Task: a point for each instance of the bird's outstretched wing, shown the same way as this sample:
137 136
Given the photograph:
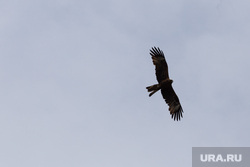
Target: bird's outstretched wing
173 102
161 67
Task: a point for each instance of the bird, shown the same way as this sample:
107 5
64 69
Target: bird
164 84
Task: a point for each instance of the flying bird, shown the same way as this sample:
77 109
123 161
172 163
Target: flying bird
164 84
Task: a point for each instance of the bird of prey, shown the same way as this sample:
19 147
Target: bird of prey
164 84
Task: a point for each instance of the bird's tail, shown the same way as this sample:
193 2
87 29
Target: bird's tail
153 89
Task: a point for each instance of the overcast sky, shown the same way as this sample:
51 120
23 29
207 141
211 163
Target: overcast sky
73 77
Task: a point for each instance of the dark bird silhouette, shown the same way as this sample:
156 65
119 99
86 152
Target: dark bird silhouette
164 84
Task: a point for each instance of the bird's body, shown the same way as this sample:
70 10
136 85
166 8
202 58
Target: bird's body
165 84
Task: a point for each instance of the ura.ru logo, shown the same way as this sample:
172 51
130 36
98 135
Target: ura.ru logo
220 158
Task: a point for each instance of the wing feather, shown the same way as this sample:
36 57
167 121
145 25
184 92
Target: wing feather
161 67
173 102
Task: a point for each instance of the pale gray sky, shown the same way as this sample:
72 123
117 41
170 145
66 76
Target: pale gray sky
73 77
